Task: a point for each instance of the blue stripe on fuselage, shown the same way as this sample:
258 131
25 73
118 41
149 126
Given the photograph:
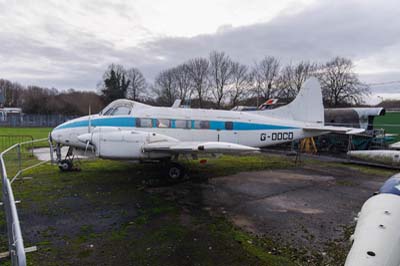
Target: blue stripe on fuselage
131 122
102 122
253 126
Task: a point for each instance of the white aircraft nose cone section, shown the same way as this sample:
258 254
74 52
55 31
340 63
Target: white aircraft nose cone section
377 235
54 136
84 138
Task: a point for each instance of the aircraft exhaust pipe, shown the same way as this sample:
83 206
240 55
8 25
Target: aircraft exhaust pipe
377 235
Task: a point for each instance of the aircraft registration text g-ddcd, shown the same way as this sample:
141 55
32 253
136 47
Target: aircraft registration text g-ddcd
277 136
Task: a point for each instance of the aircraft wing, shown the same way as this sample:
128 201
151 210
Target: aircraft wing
342 130
197 147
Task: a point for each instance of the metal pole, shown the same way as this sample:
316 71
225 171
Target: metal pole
19 157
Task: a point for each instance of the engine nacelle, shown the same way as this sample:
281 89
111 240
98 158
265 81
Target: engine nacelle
124 144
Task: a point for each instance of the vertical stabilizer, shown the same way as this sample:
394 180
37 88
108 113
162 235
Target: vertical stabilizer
306 107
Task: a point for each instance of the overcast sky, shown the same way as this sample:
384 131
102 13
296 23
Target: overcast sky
68 44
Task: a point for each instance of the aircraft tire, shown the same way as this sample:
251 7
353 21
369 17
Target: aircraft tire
65 165
175 172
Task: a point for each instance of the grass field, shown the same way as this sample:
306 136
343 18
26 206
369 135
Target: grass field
35 132
18 135
390 122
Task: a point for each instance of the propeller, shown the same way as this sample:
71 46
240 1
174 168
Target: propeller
88 141
87 146
90 119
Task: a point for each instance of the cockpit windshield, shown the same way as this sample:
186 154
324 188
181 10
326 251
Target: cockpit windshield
119 107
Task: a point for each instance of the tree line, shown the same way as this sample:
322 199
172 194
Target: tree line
216 81
220 82
39 100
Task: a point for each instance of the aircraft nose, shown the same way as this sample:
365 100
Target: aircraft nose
53 136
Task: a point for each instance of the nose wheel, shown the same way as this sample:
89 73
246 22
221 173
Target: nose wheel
65 165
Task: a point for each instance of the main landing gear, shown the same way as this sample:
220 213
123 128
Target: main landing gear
175 172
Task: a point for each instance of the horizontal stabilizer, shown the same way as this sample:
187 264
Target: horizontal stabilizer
342 130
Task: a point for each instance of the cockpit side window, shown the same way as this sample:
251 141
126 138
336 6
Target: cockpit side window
121 110
118 107
109 111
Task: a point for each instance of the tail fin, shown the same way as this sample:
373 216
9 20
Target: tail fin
306 107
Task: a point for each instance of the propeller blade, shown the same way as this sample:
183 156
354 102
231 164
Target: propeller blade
90 119
87 146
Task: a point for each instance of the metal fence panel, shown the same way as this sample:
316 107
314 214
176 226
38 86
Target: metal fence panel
34 120
15 240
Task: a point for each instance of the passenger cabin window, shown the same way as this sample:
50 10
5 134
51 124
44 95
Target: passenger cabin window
202 124
163 123
228 125
143 122
182 124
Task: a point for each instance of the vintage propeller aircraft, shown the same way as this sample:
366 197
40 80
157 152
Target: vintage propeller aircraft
129 130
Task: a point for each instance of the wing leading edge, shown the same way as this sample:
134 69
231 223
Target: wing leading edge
197 147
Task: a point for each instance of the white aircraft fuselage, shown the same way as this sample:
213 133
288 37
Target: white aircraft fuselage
245 128
131 130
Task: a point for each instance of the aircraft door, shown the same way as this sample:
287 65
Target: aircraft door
228 134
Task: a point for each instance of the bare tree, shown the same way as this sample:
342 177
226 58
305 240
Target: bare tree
12 93
198 71
340 84
182 79
265 75
285 84
292 77
137 85
240 82
220 75
165 87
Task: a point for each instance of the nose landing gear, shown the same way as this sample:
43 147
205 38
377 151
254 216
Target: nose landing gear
67 164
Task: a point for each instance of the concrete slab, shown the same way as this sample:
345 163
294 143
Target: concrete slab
307 207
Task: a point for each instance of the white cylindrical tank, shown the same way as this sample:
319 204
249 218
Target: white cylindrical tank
390 157
377 234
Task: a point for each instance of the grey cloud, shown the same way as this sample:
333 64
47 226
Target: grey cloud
326 30
355 29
